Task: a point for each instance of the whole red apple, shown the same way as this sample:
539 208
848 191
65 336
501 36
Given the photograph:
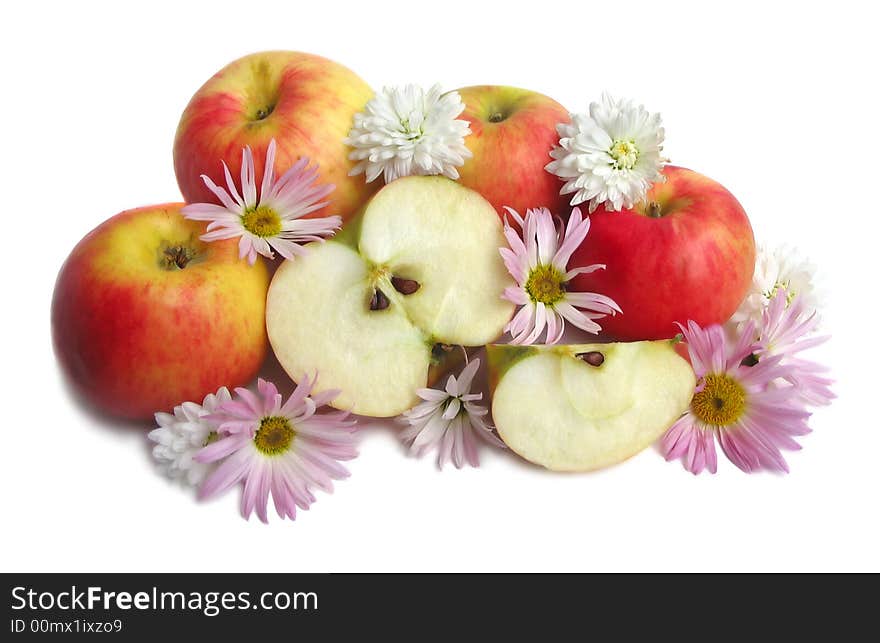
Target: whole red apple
145 316
305 102
512 133
686 252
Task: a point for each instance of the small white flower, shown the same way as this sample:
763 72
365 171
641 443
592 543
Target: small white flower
407 131
449 420
611 155
775 269
183 434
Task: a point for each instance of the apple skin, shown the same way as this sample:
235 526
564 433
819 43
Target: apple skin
509 156
695 261
308 105
134 337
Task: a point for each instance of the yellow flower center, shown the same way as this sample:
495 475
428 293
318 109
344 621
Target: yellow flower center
261 221
546 284
625 155
789 294
721 402
213 436
274 436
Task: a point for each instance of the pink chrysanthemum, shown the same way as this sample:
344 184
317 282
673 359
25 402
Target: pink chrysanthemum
282 449
735 405
539 263
788 328
274 220
450 421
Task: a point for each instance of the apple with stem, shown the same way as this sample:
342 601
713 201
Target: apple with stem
146 316
687 252
512 133
305 102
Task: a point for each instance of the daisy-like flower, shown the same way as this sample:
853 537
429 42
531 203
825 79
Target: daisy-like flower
183 433
788 328
282 449
775 269
540 267
611 155
450 421
272 219
735 405
406 131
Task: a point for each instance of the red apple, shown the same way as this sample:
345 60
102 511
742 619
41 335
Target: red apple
145 316
687 252
305 102
512 133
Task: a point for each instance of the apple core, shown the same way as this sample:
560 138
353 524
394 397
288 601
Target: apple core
721 402
274 436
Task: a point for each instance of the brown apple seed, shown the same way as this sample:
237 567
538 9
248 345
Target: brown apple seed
593 358
379 300
405 286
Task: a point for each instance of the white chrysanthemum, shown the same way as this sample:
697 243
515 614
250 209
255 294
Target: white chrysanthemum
407 131
775 269
611 155
183 434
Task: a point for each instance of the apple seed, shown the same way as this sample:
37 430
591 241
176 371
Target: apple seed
593 358
405 286
379 301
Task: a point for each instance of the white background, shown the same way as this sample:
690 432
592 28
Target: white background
778 103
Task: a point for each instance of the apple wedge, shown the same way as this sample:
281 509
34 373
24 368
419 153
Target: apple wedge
587 406
374 310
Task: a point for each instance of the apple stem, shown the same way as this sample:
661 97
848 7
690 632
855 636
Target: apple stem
655 210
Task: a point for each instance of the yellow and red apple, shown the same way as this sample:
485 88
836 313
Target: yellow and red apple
146 316
512 133
305 102
687 252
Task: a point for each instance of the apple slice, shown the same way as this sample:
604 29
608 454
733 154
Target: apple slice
586 406
371 309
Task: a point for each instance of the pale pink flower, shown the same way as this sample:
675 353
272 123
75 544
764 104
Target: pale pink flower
272 220
735 405
538 262
280 449
450 421
787 328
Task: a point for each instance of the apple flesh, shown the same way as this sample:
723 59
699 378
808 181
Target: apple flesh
371 310
145 316
586 406
686 253
512 134
305 102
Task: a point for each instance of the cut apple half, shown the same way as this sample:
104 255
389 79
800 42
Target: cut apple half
374 310
587 406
